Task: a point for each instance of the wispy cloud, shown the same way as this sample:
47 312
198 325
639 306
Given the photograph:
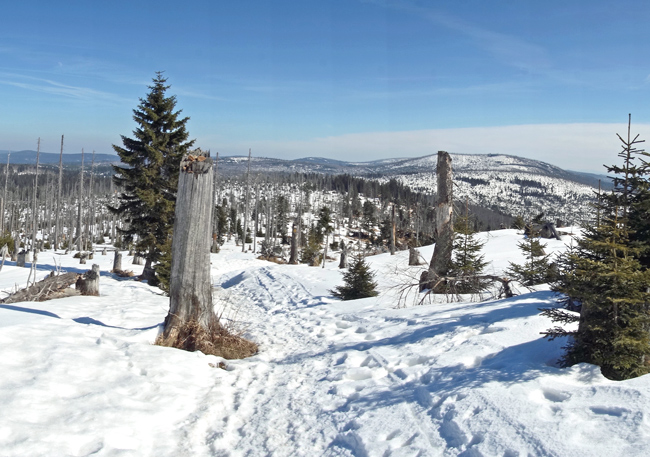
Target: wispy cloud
49 86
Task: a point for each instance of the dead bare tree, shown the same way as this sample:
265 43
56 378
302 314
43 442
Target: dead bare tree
190 289
34 208
80 205
246 203
444 230
59 208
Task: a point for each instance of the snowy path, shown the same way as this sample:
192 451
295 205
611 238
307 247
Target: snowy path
79 377
313 384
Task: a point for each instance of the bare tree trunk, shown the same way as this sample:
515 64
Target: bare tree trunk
327 238
20 259
79 211
57 228
215 216
248 173
117 261
88 284
34 208
444 231
257 215
295 245
392 231
190 288
90 224
4 199
414 256
344 255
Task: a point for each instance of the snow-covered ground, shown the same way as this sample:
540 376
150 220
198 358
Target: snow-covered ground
79 376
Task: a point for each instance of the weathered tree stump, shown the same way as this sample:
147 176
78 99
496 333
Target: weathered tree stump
295 245
444 230
117 261
137 260
48 288
104 251
88 283
20 259
190 288
343 263
28 255
414 256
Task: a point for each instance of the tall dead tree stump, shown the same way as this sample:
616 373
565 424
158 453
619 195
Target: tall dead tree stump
88 283
295 244
444 229
117 261
20 259
190 288
343 263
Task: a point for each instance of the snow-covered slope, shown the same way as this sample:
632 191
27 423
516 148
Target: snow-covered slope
505 183
358 378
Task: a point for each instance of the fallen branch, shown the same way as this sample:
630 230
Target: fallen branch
43 290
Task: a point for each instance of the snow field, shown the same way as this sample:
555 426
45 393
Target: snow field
79 376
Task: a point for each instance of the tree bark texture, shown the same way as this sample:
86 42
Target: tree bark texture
117 261
20 259
343 263
444 229
88 284
295 245
190 283
392 231
414 256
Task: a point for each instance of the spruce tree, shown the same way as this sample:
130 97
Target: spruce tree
358 281
536 269
467 262
148 178
609 282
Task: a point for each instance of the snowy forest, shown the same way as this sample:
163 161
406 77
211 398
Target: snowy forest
319 314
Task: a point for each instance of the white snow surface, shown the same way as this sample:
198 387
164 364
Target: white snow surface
80 376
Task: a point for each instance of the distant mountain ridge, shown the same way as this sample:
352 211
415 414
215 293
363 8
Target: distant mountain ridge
27 157
503 183
230 165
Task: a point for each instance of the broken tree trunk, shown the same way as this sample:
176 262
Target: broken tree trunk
414 256
392 231
48 288
444 230
190 288
295 245
88 283
20 259
344 255
117 261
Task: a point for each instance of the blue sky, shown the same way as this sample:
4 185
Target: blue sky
353 79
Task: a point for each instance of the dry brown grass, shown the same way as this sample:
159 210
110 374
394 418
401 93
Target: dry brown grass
123 273
273 259
213 341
